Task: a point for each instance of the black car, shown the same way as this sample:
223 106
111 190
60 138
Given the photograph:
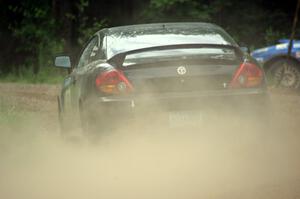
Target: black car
164 73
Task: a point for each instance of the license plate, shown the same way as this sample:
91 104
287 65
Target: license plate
182 118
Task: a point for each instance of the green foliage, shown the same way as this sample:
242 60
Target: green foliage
176 10
36 33
272 36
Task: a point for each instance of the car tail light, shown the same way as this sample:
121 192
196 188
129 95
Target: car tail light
113 82
248 75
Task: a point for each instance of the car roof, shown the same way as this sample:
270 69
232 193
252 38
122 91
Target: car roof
192 26
163 25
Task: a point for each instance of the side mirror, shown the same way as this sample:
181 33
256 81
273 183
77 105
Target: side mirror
62 62
245 49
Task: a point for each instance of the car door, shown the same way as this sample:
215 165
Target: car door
73 83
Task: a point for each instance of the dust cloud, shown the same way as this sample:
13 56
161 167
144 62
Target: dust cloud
220 160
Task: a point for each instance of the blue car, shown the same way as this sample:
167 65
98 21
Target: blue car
281 70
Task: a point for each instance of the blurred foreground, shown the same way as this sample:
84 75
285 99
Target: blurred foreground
218 161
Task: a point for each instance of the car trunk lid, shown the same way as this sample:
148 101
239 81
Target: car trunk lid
179 68
181 75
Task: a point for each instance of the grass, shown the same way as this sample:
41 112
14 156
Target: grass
46 75
10 113
18 127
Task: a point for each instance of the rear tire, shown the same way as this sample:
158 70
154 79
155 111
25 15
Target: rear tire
90 127
60 117
284 73
95 125
66 127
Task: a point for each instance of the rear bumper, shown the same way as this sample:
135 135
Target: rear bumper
250 101
238 93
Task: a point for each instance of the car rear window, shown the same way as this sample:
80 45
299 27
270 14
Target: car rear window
131 38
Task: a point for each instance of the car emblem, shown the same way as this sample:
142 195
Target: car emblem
181 70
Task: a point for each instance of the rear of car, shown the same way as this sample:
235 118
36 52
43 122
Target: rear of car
173 73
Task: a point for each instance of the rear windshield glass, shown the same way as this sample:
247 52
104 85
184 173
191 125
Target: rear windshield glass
130 38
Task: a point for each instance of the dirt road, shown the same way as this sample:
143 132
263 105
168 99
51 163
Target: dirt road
36 163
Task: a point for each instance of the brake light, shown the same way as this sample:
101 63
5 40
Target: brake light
248 75
113 82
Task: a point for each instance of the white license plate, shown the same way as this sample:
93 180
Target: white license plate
182 118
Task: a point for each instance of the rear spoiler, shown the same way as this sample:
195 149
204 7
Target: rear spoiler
118 59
